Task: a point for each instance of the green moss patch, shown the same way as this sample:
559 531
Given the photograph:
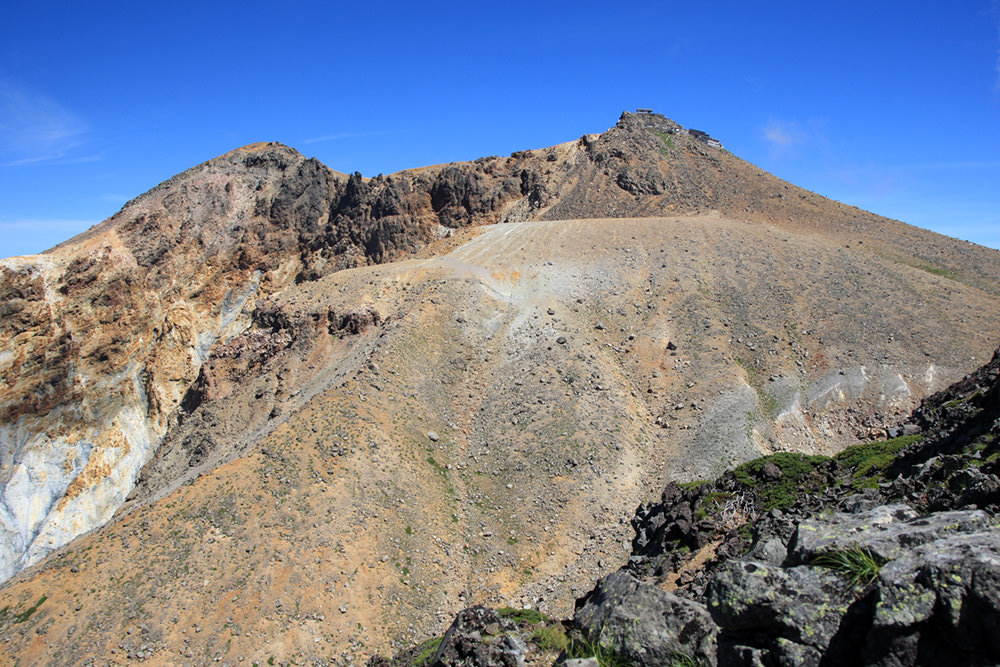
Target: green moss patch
10 616
523 616
796 470
870 460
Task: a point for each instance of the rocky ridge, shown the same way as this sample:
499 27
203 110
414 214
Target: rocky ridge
251 384
887 554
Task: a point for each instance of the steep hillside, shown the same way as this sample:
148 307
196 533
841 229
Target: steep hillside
887 554
344 408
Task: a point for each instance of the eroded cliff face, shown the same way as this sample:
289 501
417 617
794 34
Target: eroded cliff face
98 357
105 335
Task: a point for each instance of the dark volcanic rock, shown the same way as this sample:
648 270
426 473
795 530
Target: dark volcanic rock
886 531
479 637
939 603
644 624
931 593
800 605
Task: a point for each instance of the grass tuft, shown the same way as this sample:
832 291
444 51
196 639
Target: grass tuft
683 660
857 564
605 657
551 638
593 648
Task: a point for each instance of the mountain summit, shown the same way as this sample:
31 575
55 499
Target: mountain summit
320 408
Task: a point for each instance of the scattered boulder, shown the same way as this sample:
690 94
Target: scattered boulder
644 624
480 637
771 471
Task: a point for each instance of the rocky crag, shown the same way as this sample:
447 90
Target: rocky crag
886 554
319 414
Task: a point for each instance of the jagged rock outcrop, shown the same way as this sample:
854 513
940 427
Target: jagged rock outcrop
935 597
480 637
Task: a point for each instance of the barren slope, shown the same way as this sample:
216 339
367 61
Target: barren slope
258 351
389 444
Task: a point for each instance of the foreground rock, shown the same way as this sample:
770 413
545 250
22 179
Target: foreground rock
643 624
936 601
480 636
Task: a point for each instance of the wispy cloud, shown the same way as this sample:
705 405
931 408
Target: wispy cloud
784 134
36 129
794 138
54 158
338 136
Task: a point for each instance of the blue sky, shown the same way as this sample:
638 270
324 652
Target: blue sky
890 106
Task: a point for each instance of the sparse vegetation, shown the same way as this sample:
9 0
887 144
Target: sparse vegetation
426 651
593 648
668 142
437 466
712 504
944 273
768 403
8 617
551 638
683 660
